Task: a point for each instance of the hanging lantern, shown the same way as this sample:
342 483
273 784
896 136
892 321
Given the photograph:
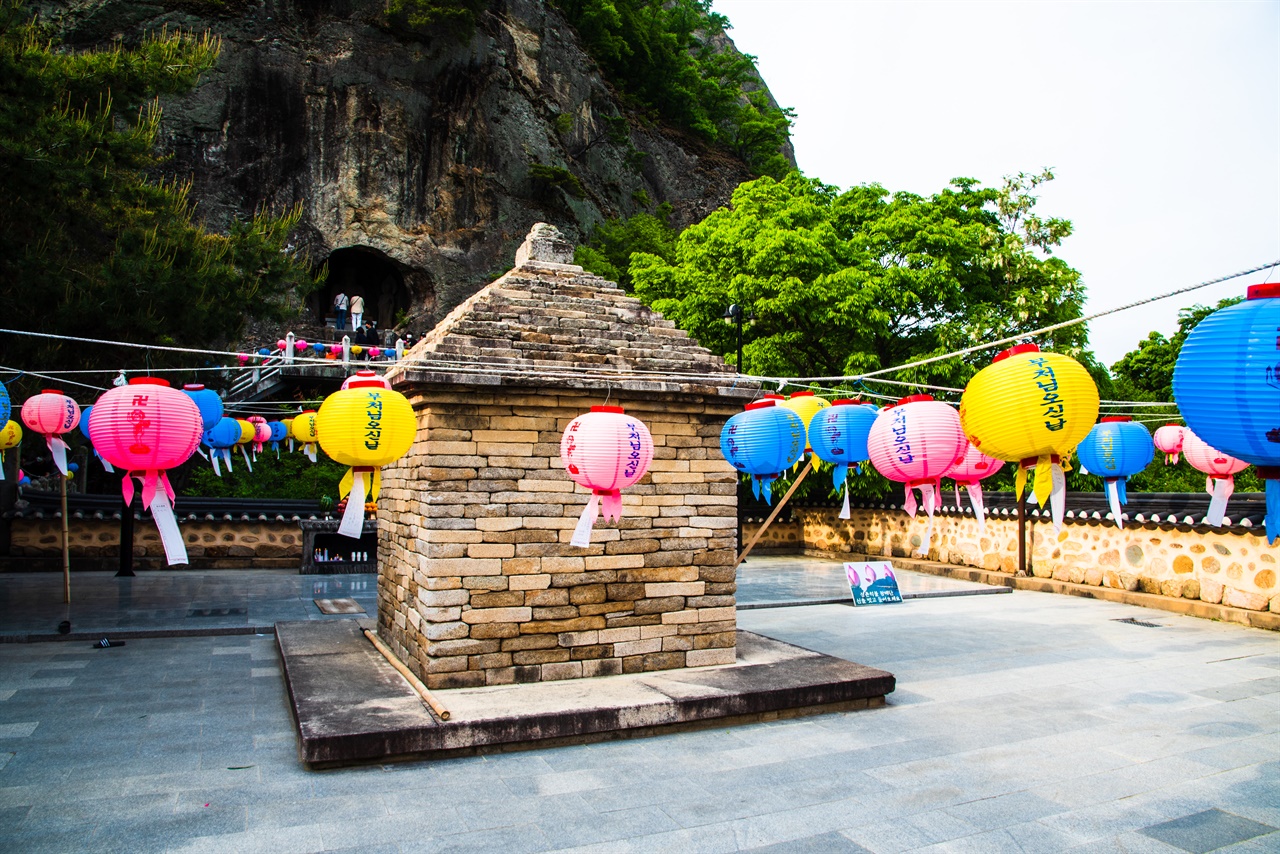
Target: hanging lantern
1116 448
319 348
969 473
247 434
10 437
51 414
288 431
278 433
223 436
1168 440
1233 355
207 401
366 376
1031 408
261 433
763 441
1221 470
300 345
838 434
365 425
915 442
146 428
606 451
6 405
303 429
805 404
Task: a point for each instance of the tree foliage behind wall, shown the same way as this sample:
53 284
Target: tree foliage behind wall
89 244
665 56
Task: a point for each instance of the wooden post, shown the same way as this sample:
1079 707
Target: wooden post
1022 534
776 510
66 547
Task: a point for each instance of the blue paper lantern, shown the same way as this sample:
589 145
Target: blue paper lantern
207 401
318 347
221 438
763 441
839 435
1116 448
84 422
264 351
6 406
278 434
1227 385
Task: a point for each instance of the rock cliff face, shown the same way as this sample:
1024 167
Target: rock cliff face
419 163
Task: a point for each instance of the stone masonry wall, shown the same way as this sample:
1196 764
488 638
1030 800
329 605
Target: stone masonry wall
1227 567
478 582
210 545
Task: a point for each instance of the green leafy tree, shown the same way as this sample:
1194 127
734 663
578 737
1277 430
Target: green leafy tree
90 244
608 252
1147 372
842 283
669 57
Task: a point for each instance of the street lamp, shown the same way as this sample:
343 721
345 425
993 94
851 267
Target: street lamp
734 315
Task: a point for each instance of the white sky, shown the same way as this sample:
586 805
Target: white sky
1161 121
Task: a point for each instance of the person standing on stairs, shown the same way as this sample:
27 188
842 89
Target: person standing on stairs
340 311
357 311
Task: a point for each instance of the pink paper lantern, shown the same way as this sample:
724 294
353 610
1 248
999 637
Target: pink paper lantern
243 357
375 352
606 451
916 442
1220 468
281 345
300 345
1168 441
968 472
51 414
145 428
261 432
335 349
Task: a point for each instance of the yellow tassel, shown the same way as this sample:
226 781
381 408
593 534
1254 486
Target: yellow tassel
1044 479
1020 482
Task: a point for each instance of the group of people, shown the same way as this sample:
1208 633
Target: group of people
341 305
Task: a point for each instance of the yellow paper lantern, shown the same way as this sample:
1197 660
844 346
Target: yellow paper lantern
1031 408
302 427
805 404
10 436
365 425
247 431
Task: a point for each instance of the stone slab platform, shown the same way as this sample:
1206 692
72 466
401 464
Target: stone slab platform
351 706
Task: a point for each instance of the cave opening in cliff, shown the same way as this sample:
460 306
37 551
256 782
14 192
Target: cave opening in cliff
373 275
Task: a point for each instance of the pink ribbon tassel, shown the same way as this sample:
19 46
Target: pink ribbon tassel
158 497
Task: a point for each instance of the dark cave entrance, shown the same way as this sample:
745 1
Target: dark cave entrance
373 275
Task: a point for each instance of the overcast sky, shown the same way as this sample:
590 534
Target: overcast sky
1161 121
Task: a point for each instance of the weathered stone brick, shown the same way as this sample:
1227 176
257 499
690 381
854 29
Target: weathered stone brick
503 599
659 606
540 656
578 638
488 661
616 635
497 615
624 592
715 640
495 630
577 624
703 657
602 667
461 647
488 550
566 670
638 647
674 588
587 594
677 643
528 582
530 642
547 598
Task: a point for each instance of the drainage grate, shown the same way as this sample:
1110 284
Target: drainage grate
217 612
1134 621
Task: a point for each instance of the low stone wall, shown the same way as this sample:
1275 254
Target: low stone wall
210 545
1228 567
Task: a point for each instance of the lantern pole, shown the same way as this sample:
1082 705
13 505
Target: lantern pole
1022 534
776 510
66 547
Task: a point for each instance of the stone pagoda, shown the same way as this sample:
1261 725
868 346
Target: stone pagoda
479 584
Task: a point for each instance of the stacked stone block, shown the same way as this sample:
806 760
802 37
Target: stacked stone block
479 584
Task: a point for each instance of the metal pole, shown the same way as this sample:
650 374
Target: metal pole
1022 535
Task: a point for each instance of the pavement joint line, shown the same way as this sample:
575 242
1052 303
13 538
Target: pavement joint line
139 634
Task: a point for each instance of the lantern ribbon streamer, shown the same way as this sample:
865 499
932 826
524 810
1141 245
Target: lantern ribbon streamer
59 450
1273 510
310 449
1113 500
929 495
1057 496
762 487
213 458
582 533
1220 488
157 496
106 465
353 517
202 454
247 461
979 509
844 511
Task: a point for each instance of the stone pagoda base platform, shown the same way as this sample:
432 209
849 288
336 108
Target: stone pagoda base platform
351 706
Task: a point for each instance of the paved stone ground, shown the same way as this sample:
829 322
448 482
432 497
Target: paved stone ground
1023 722
770 580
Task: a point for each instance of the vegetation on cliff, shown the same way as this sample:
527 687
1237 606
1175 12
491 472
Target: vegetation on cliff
89 244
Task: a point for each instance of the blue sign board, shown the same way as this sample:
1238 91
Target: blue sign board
872 582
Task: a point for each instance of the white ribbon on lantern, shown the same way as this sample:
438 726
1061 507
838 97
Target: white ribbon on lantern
844 511
311 451
157 496
587 521
979 510
1058 497
59 450
1220 488
247 461
353 517
1113 500
930 498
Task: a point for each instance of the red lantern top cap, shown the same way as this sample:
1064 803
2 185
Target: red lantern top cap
802 394
369 383
618 409
1264 291
847 402
773 396
50 391
148 381
1110 419
1015 350
193 386
306 412
914 398
365 372
760 404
